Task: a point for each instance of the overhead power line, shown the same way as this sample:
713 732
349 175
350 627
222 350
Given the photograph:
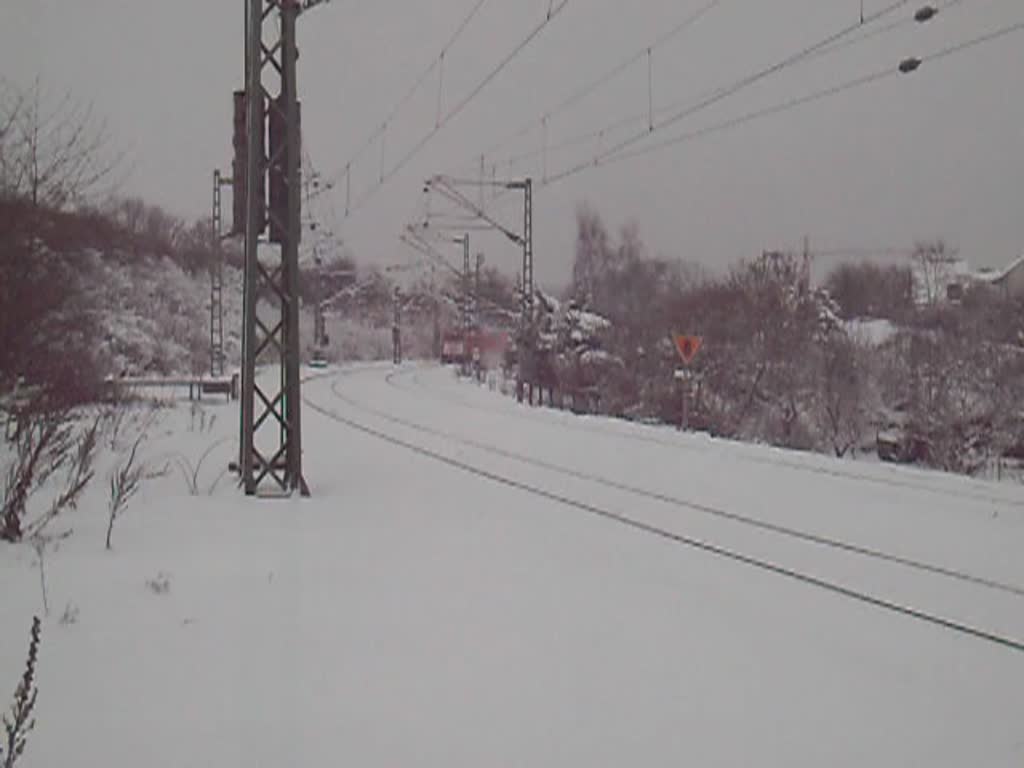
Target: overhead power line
736 87
435 64
610 129
884 29
888 251
610 75
448 188
749 116
423 246
888 72
553 12
974 42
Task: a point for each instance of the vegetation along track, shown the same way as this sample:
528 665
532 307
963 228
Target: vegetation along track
677 538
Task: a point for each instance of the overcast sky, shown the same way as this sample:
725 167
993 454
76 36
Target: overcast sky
936 154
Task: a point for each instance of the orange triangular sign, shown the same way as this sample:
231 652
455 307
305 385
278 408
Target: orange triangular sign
688 347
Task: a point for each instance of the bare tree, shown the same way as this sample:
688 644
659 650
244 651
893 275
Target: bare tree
52 151
11 104
592 253
870 290
842 411
933 262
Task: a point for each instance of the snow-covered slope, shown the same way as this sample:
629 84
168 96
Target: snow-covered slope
479 583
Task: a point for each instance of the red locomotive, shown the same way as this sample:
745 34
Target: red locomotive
486 347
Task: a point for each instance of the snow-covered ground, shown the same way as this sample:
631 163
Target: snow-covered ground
478 583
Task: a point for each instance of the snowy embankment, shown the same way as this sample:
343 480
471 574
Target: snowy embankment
417 613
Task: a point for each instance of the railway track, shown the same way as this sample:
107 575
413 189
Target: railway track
676 501
762 564
570 422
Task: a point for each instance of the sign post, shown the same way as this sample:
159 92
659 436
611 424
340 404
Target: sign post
687 347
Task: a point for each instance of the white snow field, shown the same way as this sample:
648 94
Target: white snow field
479 583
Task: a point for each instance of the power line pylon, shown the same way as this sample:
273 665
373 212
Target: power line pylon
527 187
449 188
271 436
217 356
467 303
480 258
435 311
396 326
527 356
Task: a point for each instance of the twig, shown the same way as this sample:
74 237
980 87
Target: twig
125 482
20 721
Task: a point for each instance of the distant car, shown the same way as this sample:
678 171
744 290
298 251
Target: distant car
897 439
901 445
319 359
